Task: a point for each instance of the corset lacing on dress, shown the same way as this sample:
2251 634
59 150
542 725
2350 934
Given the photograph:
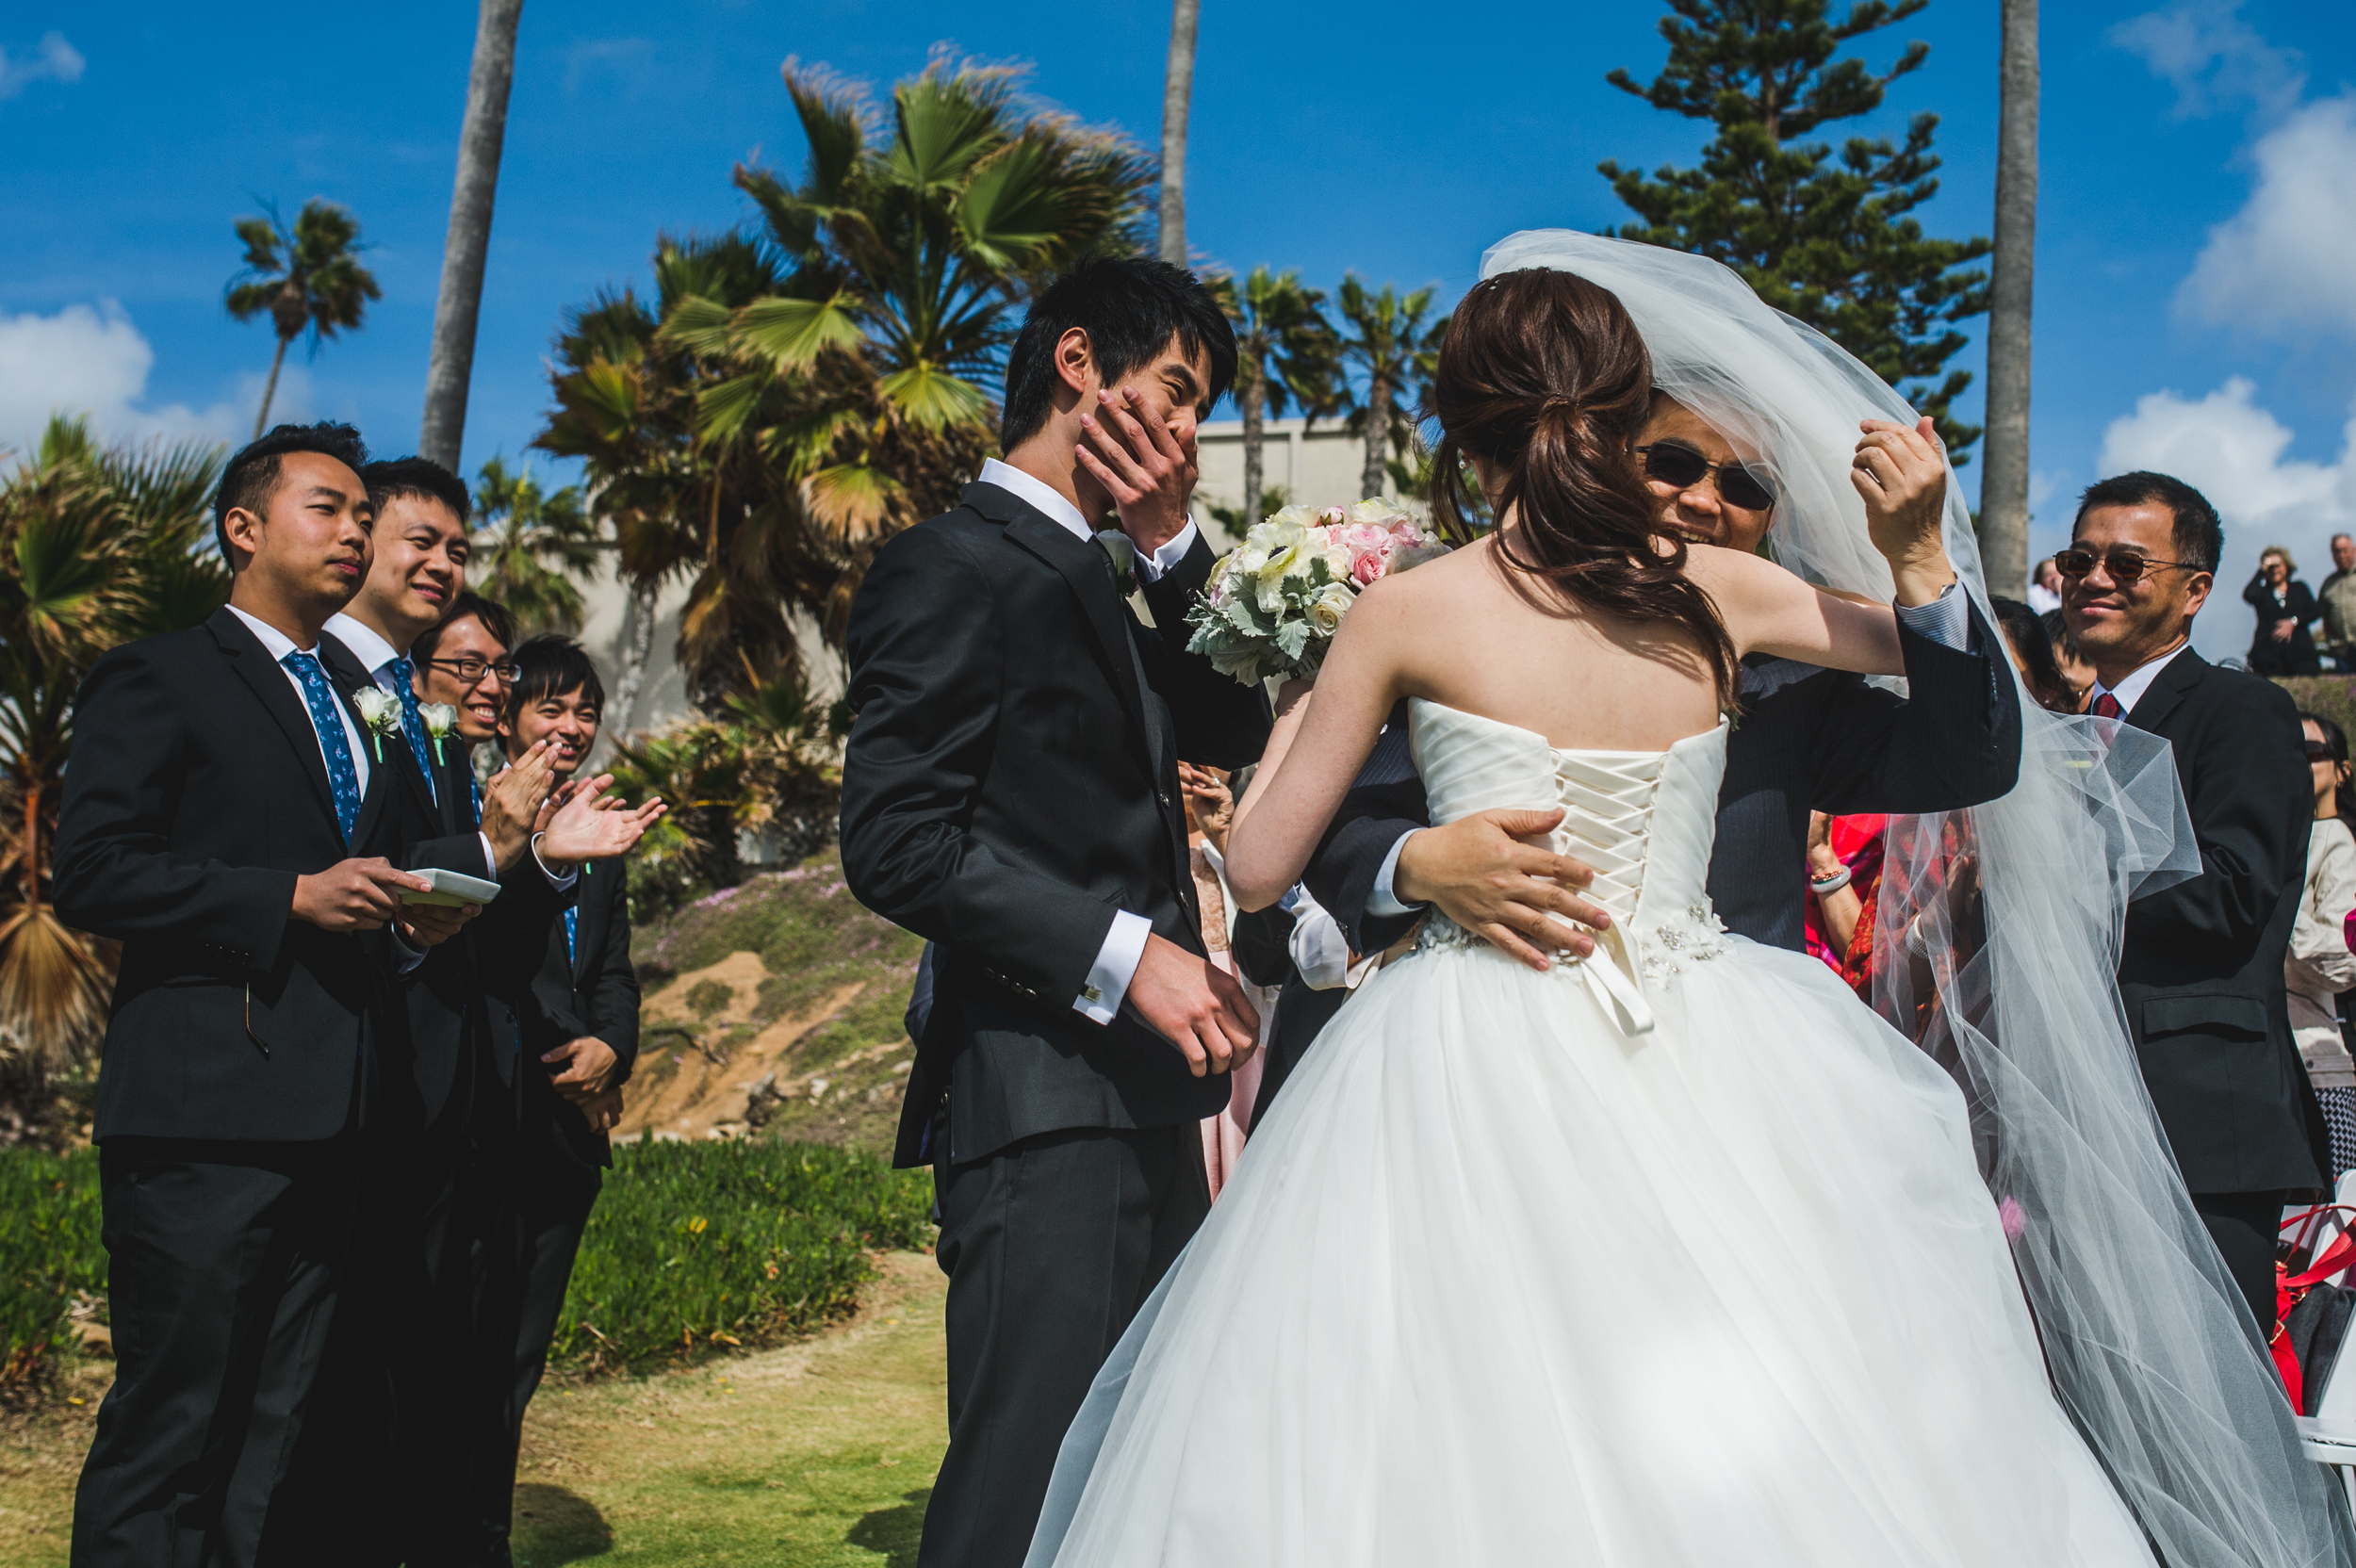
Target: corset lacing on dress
1608 800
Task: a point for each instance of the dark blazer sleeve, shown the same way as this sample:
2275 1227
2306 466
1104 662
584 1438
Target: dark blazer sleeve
112 870
1220 722
1341 874
1954 741
2261 598
2243 781
613 991
924 649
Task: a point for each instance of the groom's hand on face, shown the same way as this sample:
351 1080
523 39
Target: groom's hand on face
1131 452
1195 1005
354 895
1483 872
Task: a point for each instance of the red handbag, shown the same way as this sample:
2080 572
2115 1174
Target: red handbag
2290 1289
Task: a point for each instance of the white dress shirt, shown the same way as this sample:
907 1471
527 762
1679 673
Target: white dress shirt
2130 691
278 645
1946 620
1124 944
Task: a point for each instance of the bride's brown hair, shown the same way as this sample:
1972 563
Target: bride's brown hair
1544 379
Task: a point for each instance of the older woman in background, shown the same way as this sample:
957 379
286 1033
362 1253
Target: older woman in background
2319 966
2281 645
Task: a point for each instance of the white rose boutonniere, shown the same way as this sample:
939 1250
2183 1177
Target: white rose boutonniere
381 711
440 719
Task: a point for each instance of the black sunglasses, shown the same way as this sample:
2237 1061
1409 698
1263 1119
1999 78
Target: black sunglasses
1674 463
2124 564
2318 751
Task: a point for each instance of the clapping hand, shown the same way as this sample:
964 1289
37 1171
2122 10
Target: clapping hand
514 801
587 826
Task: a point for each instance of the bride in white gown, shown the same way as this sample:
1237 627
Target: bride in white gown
1676 1255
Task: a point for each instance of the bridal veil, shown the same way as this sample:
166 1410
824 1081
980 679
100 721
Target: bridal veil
2151 1348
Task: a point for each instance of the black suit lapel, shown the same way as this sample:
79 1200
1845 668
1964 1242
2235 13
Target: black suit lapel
269 684
350 675
2168 688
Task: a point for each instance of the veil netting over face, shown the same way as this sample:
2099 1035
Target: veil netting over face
1996 948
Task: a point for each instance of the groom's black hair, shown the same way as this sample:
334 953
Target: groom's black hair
251 477
1130 307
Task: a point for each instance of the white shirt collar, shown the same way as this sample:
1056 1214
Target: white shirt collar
2130 691
372 651
1041 495
276 641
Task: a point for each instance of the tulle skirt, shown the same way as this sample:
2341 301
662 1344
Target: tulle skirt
1495 1283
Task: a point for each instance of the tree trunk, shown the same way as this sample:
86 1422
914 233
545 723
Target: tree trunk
269 387
451 366
1177 87
1378 434
2004 479
637 648
1251 402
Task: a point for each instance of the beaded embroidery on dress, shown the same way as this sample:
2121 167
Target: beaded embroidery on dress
1676 1257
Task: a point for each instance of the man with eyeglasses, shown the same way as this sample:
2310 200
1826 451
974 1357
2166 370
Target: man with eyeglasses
2201 969
462 663
1809 739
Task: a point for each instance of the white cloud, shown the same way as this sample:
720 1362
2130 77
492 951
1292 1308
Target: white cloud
56 60
2231 449
2211 56
96 362
2282 265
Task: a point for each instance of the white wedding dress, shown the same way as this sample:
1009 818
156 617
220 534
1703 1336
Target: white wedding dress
1678 1257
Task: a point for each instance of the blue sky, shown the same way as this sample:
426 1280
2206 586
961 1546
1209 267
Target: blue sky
2195 308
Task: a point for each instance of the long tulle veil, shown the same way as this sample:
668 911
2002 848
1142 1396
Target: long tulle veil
2151 1350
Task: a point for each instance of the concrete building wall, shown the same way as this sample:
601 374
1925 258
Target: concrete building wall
1320 466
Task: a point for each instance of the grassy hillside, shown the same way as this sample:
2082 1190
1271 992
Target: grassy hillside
774 1007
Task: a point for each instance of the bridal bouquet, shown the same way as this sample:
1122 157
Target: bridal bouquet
1272 604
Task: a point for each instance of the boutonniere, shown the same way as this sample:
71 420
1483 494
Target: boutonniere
1124 556
381 711
440 719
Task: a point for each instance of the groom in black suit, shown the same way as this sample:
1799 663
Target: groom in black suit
225 818
1010 792
2201 968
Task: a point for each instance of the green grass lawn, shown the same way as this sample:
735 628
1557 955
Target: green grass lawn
818 1454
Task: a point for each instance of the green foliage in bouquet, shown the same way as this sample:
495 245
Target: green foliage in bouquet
694 1246
50 1254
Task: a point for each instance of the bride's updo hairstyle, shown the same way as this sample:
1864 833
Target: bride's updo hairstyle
1544 379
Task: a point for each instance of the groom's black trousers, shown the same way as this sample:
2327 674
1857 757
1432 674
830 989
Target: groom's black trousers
1051 1245
222 1265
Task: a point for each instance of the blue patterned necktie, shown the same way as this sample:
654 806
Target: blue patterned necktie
319 696
412 722
572 926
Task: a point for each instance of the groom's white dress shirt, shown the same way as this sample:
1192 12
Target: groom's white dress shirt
1946 620
2130 691
278 645
1125 945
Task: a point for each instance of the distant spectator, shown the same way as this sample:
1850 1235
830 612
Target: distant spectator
2045 588
2337 601
2076 673
2284 607
2319 965
2032 654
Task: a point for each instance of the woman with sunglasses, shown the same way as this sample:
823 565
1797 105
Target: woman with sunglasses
2319 966
2285 609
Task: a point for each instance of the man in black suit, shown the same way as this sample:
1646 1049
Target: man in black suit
1809 739
564 1011
1011 793
2201 969
225 819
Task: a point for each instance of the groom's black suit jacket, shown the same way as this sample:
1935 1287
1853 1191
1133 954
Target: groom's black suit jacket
1828 742
194 797
2201 968
1010 784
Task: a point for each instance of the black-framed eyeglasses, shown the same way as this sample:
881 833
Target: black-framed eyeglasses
471 670
2124 564
1674 463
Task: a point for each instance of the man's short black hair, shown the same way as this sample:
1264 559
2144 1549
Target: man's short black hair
1130 307
553 665
493 616
2199 537
421 478
251 477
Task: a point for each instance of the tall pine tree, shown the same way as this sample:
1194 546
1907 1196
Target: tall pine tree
1823 237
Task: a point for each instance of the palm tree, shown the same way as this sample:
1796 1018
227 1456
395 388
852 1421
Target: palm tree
529 547
310 276
2004 483
1389 344
1285 352
1177 88
103 545
480 136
